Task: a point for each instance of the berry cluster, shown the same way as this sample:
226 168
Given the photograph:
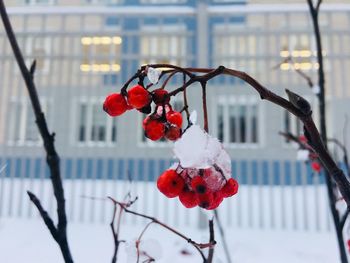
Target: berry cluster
163 122
205 188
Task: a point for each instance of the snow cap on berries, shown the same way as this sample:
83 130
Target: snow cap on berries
197 149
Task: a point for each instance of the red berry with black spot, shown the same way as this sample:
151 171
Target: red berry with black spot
230 188
206 200
188 198
160 97
173 133
199 185
175 118
139 97
316 166
154 129
115 104
170 183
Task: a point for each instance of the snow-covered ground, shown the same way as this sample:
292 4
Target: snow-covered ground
29 241
264 224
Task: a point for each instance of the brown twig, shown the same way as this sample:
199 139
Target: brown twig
212 241
137 243
197 246
59 232
223 238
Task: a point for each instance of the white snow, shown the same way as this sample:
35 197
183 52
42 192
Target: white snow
29 241
263 224
153 75
197 149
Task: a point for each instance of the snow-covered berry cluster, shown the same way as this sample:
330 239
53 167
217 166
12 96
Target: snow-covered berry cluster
205 188
163 122
202 175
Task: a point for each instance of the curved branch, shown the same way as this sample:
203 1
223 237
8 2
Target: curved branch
296 105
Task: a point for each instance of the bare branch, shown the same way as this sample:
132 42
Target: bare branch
212 241
223 239
45 216
197 246
52 157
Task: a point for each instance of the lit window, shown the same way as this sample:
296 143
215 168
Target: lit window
22 128
101 53
168 47
237 121
94 125
302 52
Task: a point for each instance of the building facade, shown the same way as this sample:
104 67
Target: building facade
86 49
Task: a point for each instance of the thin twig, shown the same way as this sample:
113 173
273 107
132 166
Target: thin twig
137 243
197 246
223 238
212 241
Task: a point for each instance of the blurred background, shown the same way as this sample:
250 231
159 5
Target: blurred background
87 49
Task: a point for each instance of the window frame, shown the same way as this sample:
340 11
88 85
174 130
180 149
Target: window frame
179 31
21 126
240 100
76 122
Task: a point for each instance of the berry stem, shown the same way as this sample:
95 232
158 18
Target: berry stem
205 109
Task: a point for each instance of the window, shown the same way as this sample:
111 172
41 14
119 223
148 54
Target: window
302 49
235 50
39 48
177 105
237 121
94 125
22 129
167 46
101 53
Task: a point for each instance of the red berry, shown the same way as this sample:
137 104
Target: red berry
188 198
173 133
115 104
138 97
348 242
230 188
206 200
170 183
316 167
198 185
175 118
217 199
160 97
302 138
154 129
